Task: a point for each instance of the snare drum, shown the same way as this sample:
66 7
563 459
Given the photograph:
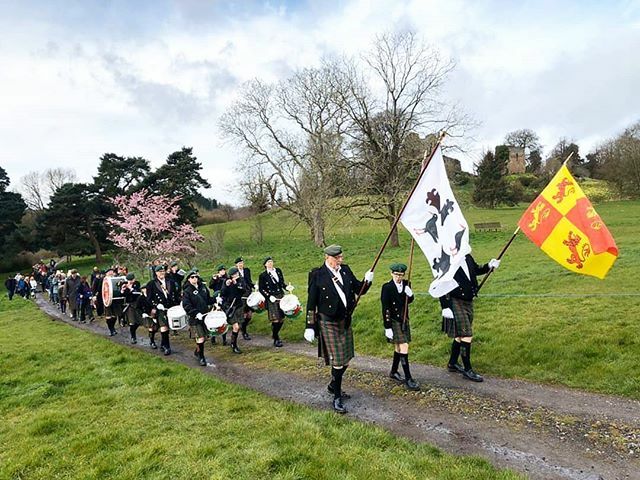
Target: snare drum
216 323
256 302
290 306
177 318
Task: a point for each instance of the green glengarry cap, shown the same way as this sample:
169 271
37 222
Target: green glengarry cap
193 271
173 264
158 268
398 267
220 267
232 271
130 276
333 250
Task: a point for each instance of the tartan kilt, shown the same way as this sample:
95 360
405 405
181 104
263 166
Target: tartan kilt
198 329
161 316
115 309
461 324
400 335
237 316
274 312
336 341
133 316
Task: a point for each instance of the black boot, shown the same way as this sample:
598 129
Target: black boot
465 349
152 340
132 331
165 343
243 327
393 374
453 365
234 343
275 329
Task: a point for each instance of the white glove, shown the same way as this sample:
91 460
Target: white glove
494 263
408 291
309 334
219 300
272 299
388 333
368 277
199 316
145 315
160 306
447 313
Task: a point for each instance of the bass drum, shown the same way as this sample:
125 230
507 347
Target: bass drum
256 302
177 318
216 323
111 289
290 306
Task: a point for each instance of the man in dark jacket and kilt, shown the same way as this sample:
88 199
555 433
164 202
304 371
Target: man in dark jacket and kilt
132 292
245 279
457 314
162 294
232 292
331 299
215 285
114 310
197 302
272 287
395 296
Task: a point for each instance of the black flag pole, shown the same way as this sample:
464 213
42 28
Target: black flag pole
504 249
425 164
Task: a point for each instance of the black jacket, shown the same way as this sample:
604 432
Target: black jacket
247 282
156 295
232 294
393 303
131 293
467 288
196 299
323 297
268 286
216 282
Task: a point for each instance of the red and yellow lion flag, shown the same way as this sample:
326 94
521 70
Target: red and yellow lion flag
564 224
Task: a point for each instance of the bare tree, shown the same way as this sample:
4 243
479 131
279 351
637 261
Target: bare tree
619 160
385 127
291 133
54 178
38 187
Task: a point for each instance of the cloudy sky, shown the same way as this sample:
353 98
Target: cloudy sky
143 78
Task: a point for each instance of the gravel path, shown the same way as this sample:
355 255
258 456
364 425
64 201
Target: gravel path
545 432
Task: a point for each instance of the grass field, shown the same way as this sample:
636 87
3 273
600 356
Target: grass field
73 405
534 319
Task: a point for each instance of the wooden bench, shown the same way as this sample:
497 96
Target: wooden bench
488 227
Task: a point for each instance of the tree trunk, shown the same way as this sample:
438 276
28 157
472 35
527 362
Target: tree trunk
96 245
317 229
391 218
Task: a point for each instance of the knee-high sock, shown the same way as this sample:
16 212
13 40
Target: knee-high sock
244 324
396 362
152 336
234 339
336 380
132 330
465 348
201 350
165 339
275 328
404 360
455 352
111 323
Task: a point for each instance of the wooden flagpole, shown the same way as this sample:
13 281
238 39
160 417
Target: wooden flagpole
425 164
504 249
406 299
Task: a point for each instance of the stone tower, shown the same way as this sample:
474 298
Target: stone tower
516 160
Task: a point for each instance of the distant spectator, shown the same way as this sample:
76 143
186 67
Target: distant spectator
11 285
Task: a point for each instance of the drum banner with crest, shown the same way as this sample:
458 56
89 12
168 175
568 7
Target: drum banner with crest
434 219
564 224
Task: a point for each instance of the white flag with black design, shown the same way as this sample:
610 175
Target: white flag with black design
434 219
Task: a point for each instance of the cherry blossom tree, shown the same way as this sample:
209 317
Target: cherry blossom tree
146 227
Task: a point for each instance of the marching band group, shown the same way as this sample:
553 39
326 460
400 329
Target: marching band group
174 299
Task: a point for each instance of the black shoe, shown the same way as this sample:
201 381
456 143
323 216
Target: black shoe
245 336
455 368
167 351
162 348
203 362
344 396
153 345
235 349
396 376
112 333
411 384
338 407
196 352
224 342
473 376
134 341
277 343
213 340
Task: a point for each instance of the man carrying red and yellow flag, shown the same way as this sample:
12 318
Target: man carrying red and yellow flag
564 224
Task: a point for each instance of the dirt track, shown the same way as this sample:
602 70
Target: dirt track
543 431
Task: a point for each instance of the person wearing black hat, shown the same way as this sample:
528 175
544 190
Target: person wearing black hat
215 285
272 287
232 292
395 296
162 294
457 314
331 299
131 291
176 275
197 301
247 313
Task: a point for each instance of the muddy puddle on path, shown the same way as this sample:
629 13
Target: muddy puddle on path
543 432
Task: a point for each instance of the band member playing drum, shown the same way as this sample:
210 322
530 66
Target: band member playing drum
112 312
396 295
245 278
132 292
232 293
196 301
215 285
271 285
331 299
162 294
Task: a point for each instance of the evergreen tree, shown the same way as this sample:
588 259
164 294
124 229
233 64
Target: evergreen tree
490 186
